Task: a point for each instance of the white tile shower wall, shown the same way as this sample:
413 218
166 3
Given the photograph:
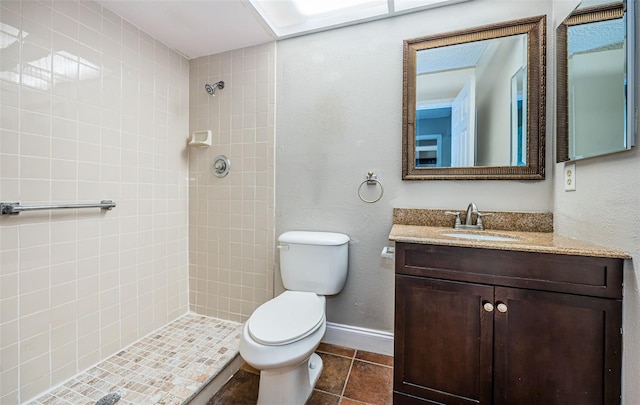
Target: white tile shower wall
231 219
91 108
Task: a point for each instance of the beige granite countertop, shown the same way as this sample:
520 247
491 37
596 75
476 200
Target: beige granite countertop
540 242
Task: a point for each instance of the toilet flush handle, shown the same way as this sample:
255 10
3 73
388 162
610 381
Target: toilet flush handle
283 247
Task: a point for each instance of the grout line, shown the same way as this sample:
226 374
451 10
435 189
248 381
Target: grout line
374 363
356 401
336 354
327 392
333 354
346 381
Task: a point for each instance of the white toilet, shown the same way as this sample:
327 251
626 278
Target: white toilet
280 337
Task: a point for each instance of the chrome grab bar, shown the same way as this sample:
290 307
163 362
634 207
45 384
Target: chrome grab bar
14 208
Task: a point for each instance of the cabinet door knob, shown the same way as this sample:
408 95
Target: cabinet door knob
488 307
502 307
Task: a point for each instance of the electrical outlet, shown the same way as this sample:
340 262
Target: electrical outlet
570 177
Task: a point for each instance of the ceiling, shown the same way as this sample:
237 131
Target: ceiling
195 27
205 27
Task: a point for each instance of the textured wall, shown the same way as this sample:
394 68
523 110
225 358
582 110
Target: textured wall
231 218
604 210
340 115
90 108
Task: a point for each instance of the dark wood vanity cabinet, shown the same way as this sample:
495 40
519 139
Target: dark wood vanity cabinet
482 326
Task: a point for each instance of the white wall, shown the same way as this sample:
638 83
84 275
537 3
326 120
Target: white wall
339 115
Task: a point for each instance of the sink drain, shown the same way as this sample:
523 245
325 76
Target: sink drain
109 399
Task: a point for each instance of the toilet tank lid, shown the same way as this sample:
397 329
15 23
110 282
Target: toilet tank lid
314 238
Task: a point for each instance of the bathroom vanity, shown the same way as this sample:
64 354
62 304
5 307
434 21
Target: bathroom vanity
495 322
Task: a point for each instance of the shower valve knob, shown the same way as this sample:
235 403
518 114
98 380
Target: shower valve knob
220 166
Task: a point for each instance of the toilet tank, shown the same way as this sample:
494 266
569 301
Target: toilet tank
314 261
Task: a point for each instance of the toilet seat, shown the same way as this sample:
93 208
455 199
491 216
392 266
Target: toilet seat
287 318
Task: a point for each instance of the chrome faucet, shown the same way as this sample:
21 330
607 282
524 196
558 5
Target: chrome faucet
471 209
468 223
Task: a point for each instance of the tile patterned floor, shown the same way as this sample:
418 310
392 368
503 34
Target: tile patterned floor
349 377
170 366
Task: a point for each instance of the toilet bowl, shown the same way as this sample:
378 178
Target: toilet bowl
280 337
279 340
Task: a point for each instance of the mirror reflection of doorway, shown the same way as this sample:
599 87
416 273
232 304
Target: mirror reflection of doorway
463 126
450 123
433 137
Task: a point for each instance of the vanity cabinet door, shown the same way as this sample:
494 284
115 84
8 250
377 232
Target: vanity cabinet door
554 348
443 342
466 343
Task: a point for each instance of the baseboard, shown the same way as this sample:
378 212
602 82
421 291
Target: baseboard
370 340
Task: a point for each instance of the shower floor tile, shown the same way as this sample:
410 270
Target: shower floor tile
169 366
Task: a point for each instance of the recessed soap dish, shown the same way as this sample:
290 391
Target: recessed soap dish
201 139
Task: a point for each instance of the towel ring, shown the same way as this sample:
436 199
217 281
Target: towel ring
371 180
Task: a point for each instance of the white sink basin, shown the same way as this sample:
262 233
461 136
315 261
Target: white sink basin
480 236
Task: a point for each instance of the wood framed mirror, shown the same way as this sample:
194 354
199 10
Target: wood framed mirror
474 103
596 81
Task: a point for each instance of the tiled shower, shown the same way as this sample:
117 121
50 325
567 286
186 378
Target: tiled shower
231 219
92 108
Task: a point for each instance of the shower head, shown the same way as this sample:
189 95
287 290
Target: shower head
211 88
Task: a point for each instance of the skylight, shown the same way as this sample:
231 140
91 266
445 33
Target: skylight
288 18
401 5
315 7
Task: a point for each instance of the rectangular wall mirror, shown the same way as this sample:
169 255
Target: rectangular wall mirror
474 103
596 112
